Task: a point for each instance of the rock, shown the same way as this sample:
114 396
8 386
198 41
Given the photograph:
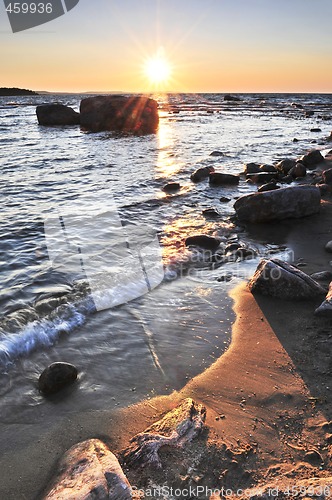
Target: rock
283 203
327 176
219 179
268 168
134 114
298 171
328 246
324 188
232 247
57 376
57 115
282 280
171 187
245 253
309 113
262 177
285 165
177 428
217 153
201 173
224 199
312 158
89 470
315 129
203 241
233 98
296 140
270 186
322 276
251 168
314 458
211 213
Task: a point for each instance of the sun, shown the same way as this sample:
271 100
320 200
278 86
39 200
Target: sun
157 70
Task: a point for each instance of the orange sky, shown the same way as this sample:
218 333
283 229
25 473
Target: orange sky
215 46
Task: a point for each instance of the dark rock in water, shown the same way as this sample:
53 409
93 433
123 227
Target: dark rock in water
312 158
279 279
224 199
262 177
328 246
219 179
171 187
283 203
232 247
327 176
244 253
201 173
287 179
296 140
203 241
322 276
57 115
233 98
133 114
89 470
309 113
286 165
315 129
177 428
251 168
211 213
270 186
217 153
298 171
325 309
267 168
57 376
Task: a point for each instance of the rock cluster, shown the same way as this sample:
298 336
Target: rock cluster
135 114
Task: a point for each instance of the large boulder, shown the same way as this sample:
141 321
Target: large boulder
90 470
133 114
279 279
57 376
57 115
325 309
289 202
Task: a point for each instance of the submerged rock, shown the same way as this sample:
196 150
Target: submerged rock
289 202
279 279
57 115
90 470
270 186
201 173
220 179
171 187
57 376
261 177
133 114
203 241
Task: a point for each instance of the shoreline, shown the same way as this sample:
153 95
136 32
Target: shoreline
267 397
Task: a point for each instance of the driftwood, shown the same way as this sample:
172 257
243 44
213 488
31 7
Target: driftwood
177 428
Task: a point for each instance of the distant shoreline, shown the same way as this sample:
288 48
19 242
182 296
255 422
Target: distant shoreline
13 91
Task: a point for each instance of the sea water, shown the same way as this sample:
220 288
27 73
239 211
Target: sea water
137 338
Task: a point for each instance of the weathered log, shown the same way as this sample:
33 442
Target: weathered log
177 428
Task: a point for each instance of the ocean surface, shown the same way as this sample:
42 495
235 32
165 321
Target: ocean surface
76 205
